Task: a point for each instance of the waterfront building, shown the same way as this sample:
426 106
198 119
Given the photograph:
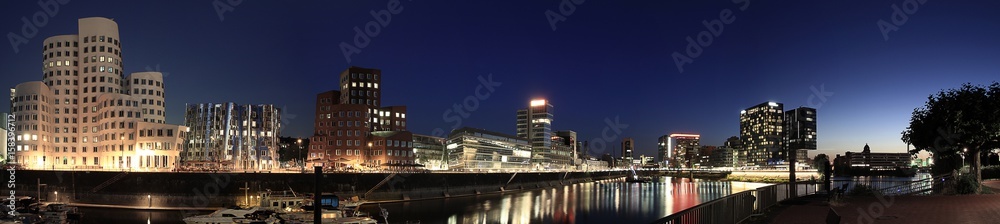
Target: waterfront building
663 152
684 150
722 157
875 161
628 146
535 124
430 152
704 156
230 136
353 130
472 149
569 138
800 132
86 113
562 153
762 134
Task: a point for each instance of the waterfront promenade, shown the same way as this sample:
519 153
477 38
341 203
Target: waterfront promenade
983 208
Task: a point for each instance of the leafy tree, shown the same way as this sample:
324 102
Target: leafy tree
820 161
957 122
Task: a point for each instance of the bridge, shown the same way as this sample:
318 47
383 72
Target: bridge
684 172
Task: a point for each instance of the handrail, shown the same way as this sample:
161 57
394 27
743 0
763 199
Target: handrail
732 208
916 187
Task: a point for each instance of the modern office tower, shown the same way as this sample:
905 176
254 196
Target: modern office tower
663 152
353 130
800 131
739 156
86 114
722 157
762 133
568 138
474 149
684 149
229 136
535 124
703 159
430 152
628 146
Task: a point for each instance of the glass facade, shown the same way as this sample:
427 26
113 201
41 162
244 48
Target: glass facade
477 149
232 136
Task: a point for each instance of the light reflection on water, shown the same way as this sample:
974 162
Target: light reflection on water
612 201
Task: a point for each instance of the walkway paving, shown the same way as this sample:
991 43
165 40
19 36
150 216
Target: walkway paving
957 209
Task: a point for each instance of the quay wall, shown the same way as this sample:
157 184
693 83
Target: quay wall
214 190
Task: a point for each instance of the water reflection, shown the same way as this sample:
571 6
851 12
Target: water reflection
597 202
610 201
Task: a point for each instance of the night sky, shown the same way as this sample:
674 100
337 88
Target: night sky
607 59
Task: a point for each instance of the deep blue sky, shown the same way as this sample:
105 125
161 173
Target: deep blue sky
608 59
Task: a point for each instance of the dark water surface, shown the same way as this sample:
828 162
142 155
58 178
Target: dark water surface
610 201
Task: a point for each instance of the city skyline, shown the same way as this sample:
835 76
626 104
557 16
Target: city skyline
868 102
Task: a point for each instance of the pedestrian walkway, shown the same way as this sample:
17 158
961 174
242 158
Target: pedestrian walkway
956 209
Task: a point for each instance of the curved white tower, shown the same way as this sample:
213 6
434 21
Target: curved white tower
90 115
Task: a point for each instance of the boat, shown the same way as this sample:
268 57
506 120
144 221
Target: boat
60 213
228 215
288 208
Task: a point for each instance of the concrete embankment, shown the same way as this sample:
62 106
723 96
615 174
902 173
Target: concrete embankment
210 190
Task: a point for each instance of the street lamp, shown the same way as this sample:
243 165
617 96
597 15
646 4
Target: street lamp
369 150
57 196
298 151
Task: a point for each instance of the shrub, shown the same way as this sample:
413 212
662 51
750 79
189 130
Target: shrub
862 190
967 184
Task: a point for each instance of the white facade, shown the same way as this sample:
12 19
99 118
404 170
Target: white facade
86 114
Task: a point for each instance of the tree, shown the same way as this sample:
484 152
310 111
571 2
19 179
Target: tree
819 163
955 123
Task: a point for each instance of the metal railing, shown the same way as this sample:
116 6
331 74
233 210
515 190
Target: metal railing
737 207
918 187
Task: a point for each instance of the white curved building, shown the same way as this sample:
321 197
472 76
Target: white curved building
86 114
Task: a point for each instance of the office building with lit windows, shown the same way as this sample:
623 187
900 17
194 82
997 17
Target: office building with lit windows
663 151
430 152
86 113
472 149
535 124
800 131
628 146
762 134
684 150
230 136
354 131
